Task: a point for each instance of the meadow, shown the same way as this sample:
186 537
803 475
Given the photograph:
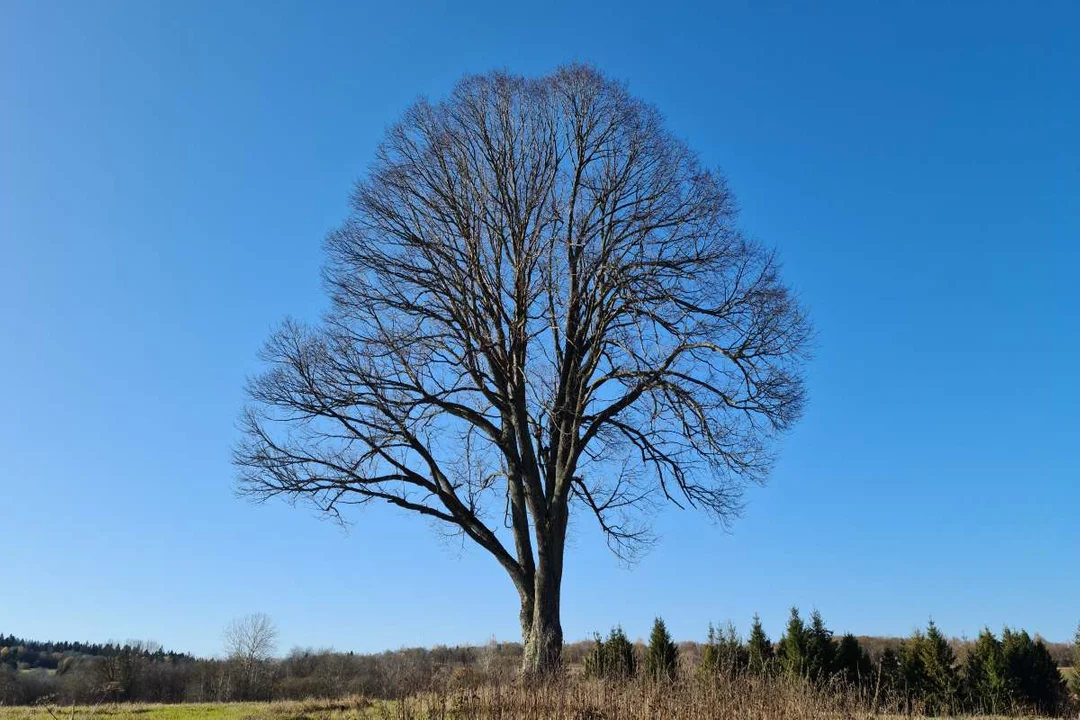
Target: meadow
568 699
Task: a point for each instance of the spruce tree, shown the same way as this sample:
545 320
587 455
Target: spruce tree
794 646
890 683
709 669
820 649
612 658
759 649
852 662
986 681
1035 683
942 679
619 659
594 660
723 655
913 680
662 655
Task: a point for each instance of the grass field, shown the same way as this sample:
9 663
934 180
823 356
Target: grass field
571 699
349 709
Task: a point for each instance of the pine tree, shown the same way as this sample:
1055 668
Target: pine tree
612 658
662 655
913 679
942 679
594 660
620 660
1035 683
852 662
986 681
890 683
759 649
709 668
723 655
794 646
820 649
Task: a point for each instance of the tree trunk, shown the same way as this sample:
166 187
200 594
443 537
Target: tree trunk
542 635
541 627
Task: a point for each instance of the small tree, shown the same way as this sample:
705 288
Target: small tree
1035 683
942 687
724 655
986 681
594 660
619 657
759 649
612 658
820 649
913 677
662 655
891 685
852 662
793 646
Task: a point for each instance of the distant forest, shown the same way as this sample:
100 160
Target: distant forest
1018 673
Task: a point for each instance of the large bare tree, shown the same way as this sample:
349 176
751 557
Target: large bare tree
541 304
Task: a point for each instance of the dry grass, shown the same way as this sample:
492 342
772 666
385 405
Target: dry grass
345 709
744 699
570 699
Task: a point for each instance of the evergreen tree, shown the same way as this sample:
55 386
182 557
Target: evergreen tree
820 649
891 683
913 680
1035 682
613 658
723 655
662 655
986 680
620 660
709 668
852 663
759 650
793 646
594 660
730 654
942 687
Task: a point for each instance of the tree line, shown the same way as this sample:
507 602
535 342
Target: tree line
1015 673
1008 673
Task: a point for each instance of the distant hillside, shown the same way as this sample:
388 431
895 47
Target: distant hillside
23 654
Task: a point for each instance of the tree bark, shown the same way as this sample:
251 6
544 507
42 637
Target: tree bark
541 627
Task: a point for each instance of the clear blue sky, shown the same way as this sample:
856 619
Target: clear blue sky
168 171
